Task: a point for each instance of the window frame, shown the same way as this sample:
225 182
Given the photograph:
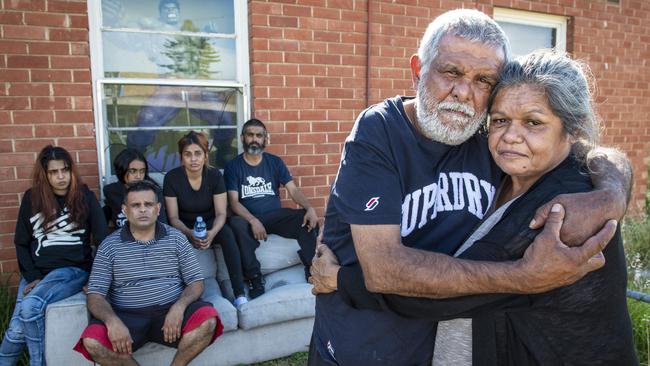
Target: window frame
99 80
557 22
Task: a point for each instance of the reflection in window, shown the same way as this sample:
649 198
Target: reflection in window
189 39
153 118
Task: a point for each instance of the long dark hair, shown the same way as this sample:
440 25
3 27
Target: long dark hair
122 161
42 195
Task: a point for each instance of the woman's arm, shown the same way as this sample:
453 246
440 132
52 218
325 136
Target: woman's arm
171 203
220 203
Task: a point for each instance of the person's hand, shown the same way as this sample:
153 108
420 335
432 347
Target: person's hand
259 232
119 336
324 270
205 243
310 219
30 286
196 243
173 321
85 289
548 263
586 213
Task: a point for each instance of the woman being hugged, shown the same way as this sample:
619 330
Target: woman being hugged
195 189
130 166
59 218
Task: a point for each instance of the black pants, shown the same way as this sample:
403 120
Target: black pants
286 222
231 255
314 358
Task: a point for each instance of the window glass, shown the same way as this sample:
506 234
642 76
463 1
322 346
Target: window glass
528 31
526 38
152 118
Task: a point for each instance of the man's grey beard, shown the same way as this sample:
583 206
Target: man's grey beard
463 128
254 149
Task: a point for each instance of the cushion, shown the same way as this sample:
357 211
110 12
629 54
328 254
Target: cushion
277 253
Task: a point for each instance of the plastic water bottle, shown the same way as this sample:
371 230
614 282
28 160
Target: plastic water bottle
200 230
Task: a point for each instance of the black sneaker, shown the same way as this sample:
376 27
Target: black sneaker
256 287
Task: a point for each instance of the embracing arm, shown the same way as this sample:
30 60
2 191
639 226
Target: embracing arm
390 267
586 213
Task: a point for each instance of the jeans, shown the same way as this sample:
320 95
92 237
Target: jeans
27 324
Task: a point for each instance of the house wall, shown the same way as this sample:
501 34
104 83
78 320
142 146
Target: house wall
309 76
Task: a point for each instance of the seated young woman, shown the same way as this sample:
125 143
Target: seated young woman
58 220
130 166
542 130
196 189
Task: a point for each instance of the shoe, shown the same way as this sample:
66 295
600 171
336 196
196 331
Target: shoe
240 301
256 287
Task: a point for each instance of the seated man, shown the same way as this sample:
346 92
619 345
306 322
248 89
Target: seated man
253 180
145 286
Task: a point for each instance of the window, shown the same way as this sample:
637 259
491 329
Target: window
162 68
529 31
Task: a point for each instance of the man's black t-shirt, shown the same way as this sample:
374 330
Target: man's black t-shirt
193 203
436 193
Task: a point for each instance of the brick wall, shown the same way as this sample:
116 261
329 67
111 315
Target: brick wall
45 98
309 79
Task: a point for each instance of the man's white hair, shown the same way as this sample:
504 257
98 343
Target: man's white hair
469 24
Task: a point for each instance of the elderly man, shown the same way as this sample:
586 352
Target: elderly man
253 180
145 286
416 178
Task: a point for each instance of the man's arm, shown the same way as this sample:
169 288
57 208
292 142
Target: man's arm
310 219
586 213
118 333
174 319
259 232
391 267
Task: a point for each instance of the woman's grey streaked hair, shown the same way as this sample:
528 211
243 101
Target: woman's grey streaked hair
568 85
469 24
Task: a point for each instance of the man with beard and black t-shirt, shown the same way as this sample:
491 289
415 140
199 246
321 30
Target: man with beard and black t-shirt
253 180
415 178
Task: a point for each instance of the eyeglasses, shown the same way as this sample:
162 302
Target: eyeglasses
133 171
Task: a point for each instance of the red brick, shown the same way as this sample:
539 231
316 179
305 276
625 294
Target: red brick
9 103
11 17
67 7
51 75
51 102
57 130
44 19
13 47
18 159
78 143
19 89
87 129
279 21
31 145
68 35
7 173
70 62
81 103
312 159
71 89
27 62
33 117
9 200
78 21
25 5
79 49
81 76
14 75
49 48
73 117
24 32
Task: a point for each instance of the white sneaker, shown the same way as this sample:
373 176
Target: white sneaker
240 301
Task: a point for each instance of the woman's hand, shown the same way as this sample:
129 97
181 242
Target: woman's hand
324 270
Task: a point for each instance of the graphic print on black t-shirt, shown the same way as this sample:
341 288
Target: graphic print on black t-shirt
256 187
60 232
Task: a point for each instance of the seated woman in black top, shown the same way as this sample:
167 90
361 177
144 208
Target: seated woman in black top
195 189
130 166
541 132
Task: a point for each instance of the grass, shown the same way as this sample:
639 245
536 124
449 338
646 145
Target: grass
296 359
